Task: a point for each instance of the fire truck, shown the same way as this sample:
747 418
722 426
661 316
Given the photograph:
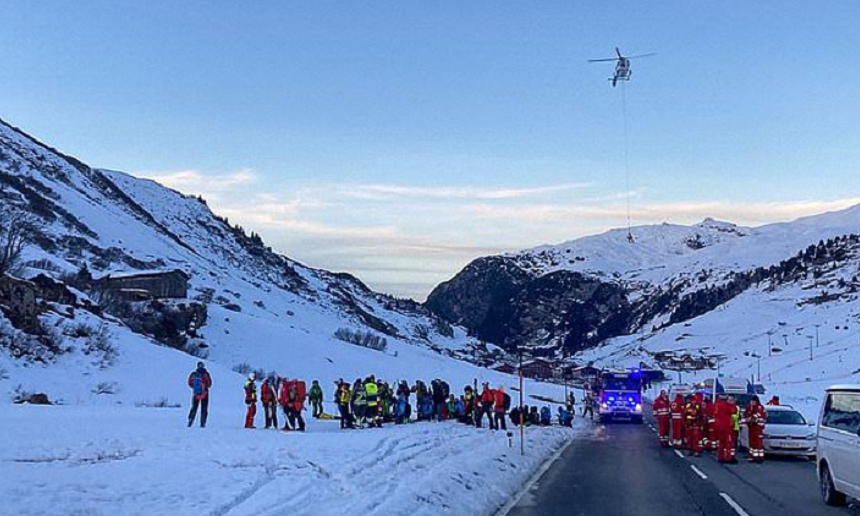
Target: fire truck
620 396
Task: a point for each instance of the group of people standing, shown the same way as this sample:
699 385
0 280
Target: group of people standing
699 424
370 402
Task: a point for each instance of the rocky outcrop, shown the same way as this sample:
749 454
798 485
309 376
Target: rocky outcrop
501 303
474 297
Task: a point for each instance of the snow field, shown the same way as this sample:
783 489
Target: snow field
94 460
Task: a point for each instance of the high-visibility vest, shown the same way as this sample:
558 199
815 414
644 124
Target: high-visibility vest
372 391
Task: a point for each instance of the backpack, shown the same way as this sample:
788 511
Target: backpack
197 384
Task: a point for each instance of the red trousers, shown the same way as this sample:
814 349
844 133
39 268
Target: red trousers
677 433
663 423
712 435
249 416
726 447
756 449
695 439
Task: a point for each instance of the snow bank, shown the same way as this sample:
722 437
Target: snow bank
121 460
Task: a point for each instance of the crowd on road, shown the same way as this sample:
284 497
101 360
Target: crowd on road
372 402
698 424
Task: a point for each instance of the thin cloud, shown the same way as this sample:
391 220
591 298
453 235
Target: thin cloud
743 213
197 182
395 191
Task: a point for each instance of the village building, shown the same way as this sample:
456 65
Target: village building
505 368
144 286
539 369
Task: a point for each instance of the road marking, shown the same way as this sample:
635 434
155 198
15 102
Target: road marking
513 502
699 472
679 454
734 505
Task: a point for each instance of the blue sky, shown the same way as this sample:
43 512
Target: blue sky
399 140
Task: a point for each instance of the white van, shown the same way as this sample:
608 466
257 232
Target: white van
838 451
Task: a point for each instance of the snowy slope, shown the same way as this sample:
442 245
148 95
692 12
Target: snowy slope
264 309
664 251
712 287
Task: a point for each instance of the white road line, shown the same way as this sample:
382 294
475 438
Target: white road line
513 502
734 505
679 454
699 472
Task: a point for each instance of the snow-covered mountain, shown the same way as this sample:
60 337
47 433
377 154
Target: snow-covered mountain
712 285
245 304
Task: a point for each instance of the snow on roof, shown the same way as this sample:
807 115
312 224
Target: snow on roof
134 274
844 387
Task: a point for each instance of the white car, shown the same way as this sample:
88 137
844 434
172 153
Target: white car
838 457
786 432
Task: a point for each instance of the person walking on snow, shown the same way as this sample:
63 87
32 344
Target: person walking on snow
663 414
315 396
250 401
269 397
200 382
756 416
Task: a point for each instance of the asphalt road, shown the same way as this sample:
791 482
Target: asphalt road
619 470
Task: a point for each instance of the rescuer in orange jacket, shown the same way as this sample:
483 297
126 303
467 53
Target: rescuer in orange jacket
726 418
709 433
756 416
663 414
693 424
677 411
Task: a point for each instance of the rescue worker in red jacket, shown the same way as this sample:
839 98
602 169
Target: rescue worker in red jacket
292 399
677 410
250 401
755 417
726 417
501 403
269 397
709 434
488 397
200 382
774 401
693 424
663 414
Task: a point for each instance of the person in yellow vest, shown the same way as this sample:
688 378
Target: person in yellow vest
343 398
372 391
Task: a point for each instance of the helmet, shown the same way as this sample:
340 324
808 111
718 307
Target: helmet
200 365
252 377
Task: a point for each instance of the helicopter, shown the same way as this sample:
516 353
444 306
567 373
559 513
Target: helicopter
622 65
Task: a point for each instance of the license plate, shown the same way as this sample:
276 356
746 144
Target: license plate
791 444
